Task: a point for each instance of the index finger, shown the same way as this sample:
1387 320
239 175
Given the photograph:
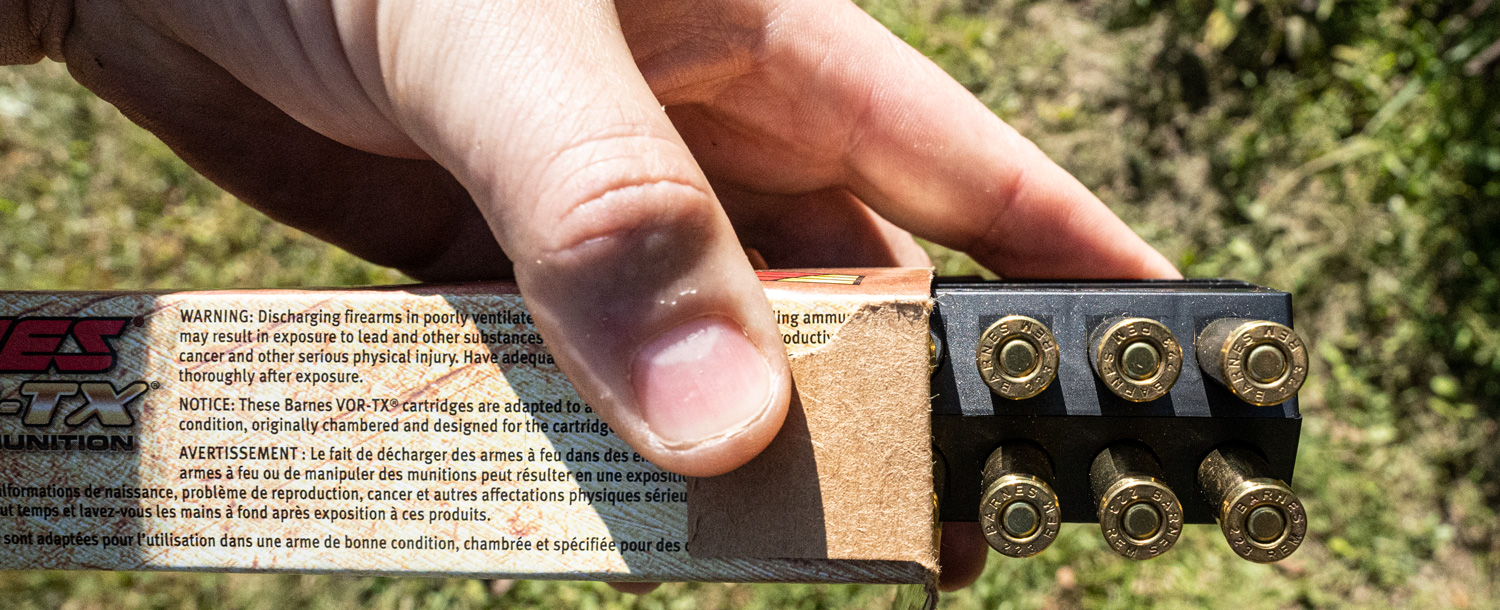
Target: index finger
930 157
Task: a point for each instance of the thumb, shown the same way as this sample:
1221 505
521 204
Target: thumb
627 262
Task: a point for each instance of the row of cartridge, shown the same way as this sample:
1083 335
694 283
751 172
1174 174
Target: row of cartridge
1138 359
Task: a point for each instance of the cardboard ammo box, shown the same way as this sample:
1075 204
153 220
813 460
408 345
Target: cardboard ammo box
426 430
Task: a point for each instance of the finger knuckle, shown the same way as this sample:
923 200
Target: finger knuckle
32 29
640 218
989 235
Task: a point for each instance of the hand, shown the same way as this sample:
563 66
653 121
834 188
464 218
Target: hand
612 158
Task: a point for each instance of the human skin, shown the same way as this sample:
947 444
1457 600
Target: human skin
613 158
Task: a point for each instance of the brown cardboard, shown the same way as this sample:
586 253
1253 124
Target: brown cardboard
503 470
841 468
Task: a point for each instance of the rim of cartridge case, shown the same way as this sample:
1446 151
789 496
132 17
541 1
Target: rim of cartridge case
1112 508
1263 394
987 353
1108 349
1046 503
1243 499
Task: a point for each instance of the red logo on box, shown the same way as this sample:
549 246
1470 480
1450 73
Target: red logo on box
40 345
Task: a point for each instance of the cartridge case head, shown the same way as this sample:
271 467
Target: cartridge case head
1138 359
1260 517
1140 517
1017 357
1018 509
1262 362
1263 520
1019 515
1138 514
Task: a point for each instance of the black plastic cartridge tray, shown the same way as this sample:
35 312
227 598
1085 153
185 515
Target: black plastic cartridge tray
1077 415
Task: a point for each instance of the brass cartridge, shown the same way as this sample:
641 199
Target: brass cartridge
1139 515
1137 358
1261 517
1018 510
934 352
1017 357
1262 362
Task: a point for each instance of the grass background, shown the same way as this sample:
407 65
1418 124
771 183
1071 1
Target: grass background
1345 150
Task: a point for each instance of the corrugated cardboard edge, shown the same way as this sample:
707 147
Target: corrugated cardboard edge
850 475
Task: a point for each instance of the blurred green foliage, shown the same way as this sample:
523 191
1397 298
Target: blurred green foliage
87 200
1345 150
